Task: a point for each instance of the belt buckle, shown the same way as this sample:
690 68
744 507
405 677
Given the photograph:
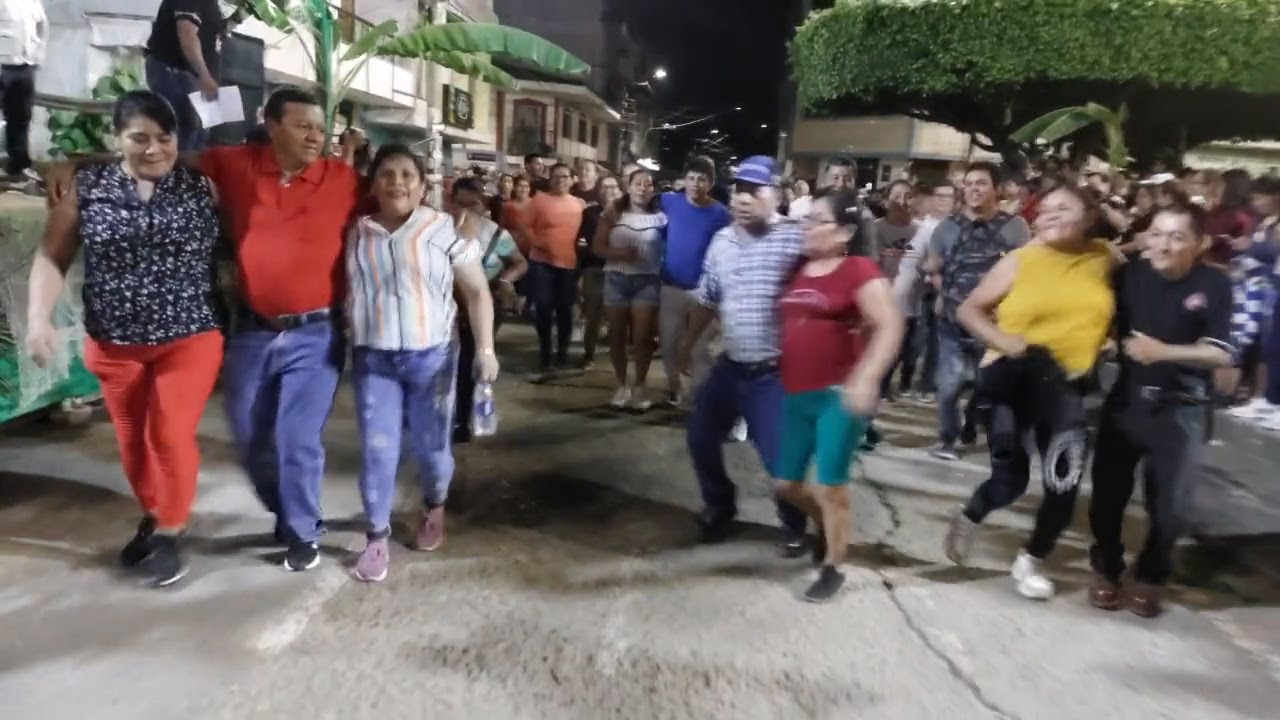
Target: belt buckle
1149 392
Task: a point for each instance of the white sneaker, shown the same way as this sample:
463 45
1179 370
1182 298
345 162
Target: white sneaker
621 397
640 401
1027 573
739 432
1270 421
1255 408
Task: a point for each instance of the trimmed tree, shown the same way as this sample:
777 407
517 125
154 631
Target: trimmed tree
1189 71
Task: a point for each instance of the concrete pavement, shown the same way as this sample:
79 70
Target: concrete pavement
570 588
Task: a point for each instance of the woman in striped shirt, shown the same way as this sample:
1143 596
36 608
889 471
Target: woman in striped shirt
403 263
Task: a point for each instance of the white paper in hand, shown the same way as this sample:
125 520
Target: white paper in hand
228 107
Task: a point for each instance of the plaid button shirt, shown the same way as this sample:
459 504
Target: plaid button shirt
742 277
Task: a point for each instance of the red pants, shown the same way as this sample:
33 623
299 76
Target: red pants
155 395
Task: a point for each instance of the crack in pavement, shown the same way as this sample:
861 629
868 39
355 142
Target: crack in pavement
881 493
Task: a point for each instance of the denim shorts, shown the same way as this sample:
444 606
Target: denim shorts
628 289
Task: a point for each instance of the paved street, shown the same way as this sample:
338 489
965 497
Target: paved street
570 588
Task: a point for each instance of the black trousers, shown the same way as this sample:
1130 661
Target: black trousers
1029 401
17 101
555 291
1170 440
906 362
466 385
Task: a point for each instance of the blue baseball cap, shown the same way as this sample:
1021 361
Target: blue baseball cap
758 170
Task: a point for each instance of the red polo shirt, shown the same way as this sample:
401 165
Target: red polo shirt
288 237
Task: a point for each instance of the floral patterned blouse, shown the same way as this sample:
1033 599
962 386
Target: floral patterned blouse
149 267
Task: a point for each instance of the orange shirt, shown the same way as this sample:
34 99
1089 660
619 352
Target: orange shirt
517 219
556 221
288 237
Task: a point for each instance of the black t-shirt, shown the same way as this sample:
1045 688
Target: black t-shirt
590 221
1182 312
163 45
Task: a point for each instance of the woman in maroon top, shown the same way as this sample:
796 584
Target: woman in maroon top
830 376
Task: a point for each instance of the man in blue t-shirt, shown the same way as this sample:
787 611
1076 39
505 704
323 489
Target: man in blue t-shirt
693 217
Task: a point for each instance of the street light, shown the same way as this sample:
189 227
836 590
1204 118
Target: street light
738 109
764 126
714 131
660 74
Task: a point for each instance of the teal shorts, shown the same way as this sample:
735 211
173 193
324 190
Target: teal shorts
815 424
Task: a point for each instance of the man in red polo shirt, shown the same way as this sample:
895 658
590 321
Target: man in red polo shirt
285 206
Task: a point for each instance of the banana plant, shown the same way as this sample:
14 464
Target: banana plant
1054 126
465 48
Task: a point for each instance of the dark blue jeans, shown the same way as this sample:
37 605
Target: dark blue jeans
731 391
555 291
399 391
278 388
176 86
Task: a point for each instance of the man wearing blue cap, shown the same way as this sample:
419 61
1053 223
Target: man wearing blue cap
745 271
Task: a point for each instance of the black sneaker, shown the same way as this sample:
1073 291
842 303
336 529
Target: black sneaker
712 530
829 582
166 564
793 545
139 548
819 552
302 556
461 435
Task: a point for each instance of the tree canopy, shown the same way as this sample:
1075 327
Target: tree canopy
1189 70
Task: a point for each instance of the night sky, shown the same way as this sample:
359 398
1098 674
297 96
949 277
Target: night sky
719 54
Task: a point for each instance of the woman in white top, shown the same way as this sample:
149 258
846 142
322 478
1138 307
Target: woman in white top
403 263
630 238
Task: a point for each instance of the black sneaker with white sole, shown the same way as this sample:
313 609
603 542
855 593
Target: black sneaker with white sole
166 564
302 556
829 582
139 548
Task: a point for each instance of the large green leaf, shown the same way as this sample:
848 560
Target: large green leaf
484 39
473 66
1034 130
369 39
1068 124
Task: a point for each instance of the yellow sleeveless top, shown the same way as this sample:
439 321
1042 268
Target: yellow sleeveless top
1061 301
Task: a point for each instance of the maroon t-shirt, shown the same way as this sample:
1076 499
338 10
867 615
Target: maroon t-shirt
822 325
1223 225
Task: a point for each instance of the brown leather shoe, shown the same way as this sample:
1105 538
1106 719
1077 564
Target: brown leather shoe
1143 600
1104 594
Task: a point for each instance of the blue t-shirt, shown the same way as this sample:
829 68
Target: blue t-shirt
689 232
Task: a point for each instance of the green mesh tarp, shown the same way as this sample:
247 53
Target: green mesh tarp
23 386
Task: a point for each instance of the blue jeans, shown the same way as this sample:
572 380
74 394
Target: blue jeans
732 391
176 86
398 391
278 388
957 365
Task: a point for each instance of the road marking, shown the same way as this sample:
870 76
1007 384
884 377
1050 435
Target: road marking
52 544
291 623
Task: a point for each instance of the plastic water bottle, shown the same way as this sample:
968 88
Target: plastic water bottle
484 411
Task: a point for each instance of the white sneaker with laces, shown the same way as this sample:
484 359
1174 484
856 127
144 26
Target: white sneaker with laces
1255 408
621 397
640 401
1028 573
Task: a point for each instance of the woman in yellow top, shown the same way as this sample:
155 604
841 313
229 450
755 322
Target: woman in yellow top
1053 304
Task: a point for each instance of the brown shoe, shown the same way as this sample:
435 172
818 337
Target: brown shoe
431 534
1104 594
1143 600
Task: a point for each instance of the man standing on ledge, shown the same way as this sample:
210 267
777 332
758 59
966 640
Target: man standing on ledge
746 270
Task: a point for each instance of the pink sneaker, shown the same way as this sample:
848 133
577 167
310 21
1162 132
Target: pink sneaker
373 562
431 534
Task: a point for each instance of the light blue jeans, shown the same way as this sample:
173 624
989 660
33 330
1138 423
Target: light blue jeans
400 391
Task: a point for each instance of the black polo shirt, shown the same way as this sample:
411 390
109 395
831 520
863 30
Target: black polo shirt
1181 312
163 44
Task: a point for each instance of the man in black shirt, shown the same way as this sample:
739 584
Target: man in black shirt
182 56
1173 318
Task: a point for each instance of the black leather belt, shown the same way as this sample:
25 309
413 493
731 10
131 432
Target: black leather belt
1165 396
282 323
756 369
